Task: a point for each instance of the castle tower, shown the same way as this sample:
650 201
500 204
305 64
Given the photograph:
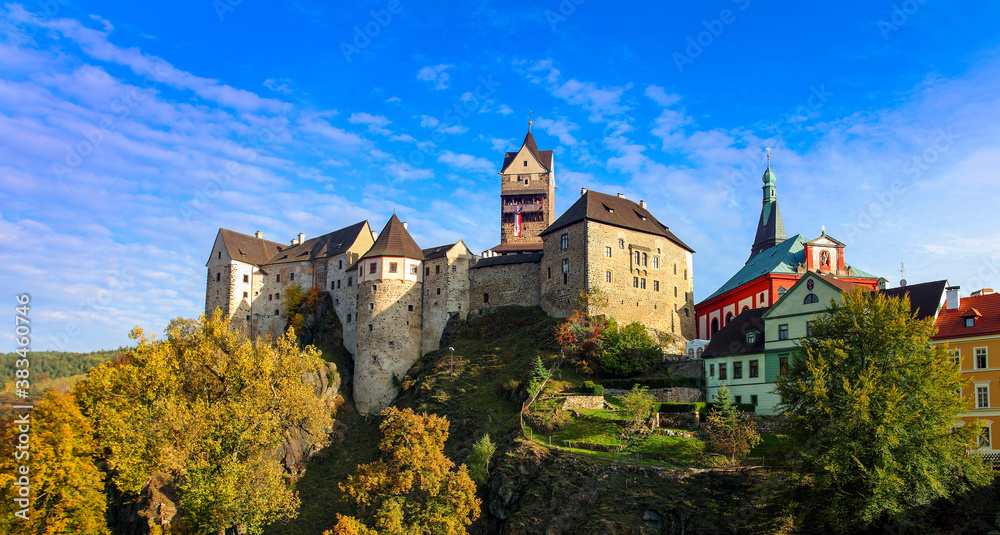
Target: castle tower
770 228
390 284
527 197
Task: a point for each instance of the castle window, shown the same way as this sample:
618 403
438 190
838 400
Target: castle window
370 328
270 297
427 271
371 306
340 264
686 275
392 267
248 317
525 163
246 278
607 252
348 318
413 269
437 269
656 262
338 284
486 298
642 284
565 265
564 241
638 257
439 291
621 243
645 259
350 281
372 267
656 286
336 301
277 296
607 277
635 282
687 314
374 288
275 312
333 284
454 269
675 269
220 255
218 276
292 277
245 295
409 308
675 291
811 298
565 278
549 271
277 278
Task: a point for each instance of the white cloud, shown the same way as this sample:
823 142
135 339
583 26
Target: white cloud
279 86
376 123
560 128
436 74
466 161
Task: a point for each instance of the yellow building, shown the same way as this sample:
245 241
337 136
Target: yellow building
971 327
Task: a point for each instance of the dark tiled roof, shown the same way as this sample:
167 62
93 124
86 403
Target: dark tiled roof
612 210
517 247
249 249
925 298
543 156
951 322
395 241
770 229
437 252
843 285
508 259
732 339
324 246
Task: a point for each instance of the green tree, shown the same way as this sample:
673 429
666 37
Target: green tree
539 374
66 489
874 414
637 407
730 431
208 409
414 489
628 350
479 459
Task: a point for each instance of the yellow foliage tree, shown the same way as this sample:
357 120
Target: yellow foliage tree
66 490
208 409
414 489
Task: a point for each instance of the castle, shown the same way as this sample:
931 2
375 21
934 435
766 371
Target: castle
397 301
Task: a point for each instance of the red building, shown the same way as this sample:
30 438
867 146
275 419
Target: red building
776 262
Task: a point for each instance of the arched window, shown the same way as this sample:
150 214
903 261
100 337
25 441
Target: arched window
691 352
700 351
811 298
745 308
729 317
715 325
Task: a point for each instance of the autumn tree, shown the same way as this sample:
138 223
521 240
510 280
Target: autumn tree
66 489
874 410
207 409
413 489
628 350
730 432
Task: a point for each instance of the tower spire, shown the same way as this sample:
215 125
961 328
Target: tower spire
770 227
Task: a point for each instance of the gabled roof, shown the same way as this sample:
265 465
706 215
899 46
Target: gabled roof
325 246
951 323
544 157
395 241
842 285
249 249
783 258
925 298
437 252
612 210
732 339
508 259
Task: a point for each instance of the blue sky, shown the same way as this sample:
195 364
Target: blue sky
130 132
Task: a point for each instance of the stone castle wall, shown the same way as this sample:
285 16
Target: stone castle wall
559 293
506 284
388 340
446 296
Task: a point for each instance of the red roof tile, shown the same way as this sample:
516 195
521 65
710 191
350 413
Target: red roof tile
951 322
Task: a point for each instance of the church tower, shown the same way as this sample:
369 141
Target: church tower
770 228
390 306
527 197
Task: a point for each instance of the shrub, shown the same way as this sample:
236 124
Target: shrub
592 389
655 382
637 406
628 350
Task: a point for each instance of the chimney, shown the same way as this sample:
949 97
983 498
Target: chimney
405 226
954 297
302 238
642 204
260 235
984 291
583 191
621 195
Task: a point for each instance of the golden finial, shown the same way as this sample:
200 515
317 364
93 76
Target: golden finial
530 114
768 149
